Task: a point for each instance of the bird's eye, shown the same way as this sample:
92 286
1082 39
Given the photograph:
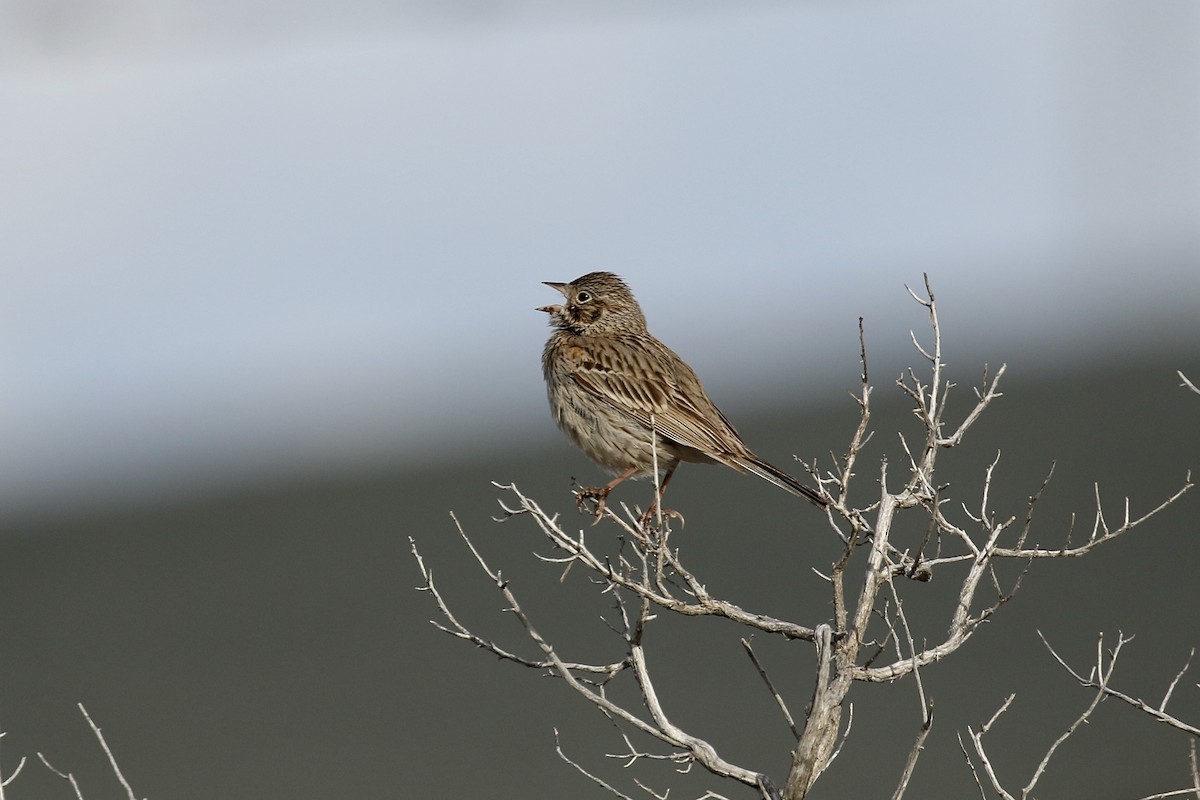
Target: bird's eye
583 297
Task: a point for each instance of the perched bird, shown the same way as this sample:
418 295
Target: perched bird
611 383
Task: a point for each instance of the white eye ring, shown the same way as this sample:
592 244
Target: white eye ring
583 297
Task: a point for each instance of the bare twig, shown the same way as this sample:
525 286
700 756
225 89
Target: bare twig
1192 762
66 776
971 764
6 781
660 727
915 753
926 706
1172 793
593 778
1187 383
460 631
704 603
1081 719
862 433
1098 679
787 715
1171 689
111 759
977 740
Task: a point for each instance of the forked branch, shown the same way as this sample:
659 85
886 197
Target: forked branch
870 638
1098 678
659 726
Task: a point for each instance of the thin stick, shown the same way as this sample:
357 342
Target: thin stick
66 776
787 715
111 759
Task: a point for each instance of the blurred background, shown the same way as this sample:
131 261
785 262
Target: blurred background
270 275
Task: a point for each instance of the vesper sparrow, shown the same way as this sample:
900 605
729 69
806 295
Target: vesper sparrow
610 382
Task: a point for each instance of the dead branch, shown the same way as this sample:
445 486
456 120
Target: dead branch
591 777
112 761
66 776
787 715
660 725
17 771
648 574
1098 679
624 575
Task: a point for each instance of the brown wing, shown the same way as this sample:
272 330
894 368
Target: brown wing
641 377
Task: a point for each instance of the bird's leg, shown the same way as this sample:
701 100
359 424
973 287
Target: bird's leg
600 493
652 512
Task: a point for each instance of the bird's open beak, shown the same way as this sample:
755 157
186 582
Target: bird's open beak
562 289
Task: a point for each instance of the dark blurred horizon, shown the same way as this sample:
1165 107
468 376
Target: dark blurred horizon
530 430
269 642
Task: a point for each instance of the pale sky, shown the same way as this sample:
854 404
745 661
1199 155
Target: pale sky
239 242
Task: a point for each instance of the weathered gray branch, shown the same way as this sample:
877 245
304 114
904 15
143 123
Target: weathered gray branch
1099 675
648 574
1099 678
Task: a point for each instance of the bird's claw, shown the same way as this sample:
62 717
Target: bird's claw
596 494
652 513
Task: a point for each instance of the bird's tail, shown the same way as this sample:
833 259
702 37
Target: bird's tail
784 481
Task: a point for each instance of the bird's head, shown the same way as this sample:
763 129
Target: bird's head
596 303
